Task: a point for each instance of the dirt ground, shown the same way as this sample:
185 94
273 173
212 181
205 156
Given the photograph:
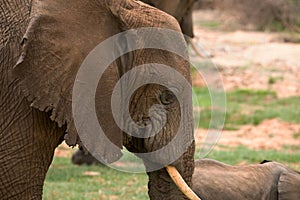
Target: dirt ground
252 60
270 134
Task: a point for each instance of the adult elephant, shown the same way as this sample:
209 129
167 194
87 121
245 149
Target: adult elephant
36 93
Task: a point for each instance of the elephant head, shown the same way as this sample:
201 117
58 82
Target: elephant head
61 34
180 9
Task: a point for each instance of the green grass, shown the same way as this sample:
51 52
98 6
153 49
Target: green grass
272 80
296 135
289 155
248 107
68 182
209 24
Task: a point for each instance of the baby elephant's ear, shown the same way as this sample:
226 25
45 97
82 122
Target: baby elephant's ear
289 186
59 37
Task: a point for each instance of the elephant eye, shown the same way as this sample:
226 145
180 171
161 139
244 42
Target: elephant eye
167 97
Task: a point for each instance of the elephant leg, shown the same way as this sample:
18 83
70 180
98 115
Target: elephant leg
28 139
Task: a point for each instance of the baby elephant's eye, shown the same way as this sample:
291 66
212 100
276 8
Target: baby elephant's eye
167 97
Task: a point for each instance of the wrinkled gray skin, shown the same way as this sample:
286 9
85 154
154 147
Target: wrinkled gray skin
35 97
267 181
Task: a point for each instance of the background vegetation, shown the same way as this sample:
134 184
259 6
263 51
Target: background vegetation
261 14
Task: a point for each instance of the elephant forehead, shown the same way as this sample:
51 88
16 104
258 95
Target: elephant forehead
150 92
154 65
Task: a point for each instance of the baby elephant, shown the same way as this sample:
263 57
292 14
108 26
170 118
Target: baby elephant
79 158
213 180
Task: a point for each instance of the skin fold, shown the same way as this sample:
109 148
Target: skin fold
267 181
43 44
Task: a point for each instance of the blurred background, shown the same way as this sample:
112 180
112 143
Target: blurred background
256 48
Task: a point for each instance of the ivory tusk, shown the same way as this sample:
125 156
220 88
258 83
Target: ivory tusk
197 51
178 180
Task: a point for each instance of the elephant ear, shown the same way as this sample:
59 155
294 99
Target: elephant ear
59 37
289 186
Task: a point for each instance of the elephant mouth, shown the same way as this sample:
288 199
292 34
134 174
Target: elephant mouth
181 184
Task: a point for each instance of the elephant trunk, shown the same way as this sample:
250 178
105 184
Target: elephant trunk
161 185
